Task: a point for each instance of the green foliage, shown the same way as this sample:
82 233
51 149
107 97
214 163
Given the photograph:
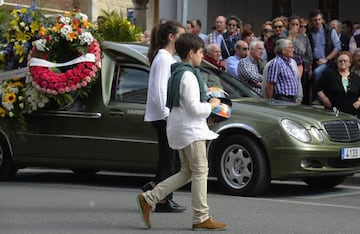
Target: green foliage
118 28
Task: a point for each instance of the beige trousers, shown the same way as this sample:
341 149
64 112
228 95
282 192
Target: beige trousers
194 168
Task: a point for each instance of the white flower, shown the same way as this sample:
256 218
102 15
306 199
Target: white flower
13 90
7 106
34 99
86 38
83 16
65 20
22 24
40 45
65 30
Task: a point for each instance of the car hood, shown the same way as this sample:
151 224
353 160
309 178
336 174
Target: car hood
269 109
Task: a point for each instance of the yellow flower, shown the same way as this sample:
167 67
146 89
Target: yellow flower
22 10
19 50
2 112
57 27
18 84
2 57
34 27
21 36
71 36
67 14
10 98
42 31
86 23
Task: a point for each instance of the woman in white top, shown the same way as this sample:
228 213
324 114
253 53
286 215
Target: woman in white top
160 54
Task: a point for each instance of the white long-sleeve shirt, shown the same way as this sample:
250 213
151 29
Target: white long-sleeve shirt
187 122
157 89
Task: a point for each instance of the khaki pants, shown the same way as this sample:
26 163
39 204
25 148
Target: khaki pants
194 168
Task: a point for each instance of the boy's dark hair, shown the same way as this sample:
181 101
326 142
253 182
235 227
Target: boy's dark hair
187 42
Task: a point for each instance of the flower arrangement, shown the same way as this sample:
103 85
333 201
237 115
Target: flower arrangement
23 28
12 95
15 44
62 74
44 60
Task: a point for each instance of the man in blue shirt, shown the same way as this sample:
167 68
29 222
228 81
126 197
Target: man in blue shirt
325 44
241 51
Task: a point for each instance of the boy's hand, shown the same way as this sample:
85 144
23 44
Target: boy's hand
214 102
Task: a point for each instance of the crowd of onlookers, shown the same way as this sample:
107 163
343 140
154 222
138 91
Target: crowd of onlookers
303 60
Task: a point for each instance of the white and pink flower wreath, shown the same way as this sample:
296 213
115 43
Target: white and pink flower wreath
83 72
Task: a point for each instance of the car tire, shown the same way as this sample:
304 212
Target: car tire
324 182
7 169
241 166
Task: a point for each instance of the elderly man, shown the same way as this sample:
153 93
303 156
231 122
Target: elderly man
282 81
241 51
249 68
220 28
213 55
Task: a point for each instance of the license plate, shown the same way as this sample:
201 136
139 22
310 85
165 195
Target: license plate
350 153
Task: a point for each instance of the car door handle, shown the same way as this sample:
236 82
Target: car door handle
121 113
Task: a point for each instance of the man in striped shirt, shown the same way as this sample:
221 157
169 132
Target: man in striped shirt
249 68
282 82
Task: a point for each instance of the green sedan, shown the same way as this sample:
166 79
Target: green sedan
263 140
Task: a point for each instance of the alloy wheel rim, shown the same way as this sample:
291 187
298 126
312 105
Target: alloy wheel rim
236 166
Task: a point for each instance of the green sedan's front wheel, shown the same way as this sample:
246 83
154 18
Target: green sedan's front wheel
324 182
241 166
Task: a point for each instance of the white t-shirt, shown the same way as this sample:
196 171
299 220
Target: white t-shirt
157 89
187 122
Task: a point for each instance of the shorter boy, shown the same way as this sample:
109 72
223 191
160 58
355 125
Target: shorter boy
187 132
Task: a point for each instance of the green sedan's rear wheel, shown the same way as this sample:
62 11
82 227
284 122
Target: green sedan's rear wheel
7 169
241 166
324 182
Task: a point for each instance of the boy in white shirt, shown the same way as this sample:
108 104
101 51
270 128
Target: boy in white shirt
187 132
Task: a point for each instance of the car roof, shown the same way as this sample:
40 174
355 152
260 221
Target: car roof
123 51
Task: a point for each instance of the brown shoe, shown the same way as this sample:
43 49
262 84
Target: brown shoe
209 225
144 209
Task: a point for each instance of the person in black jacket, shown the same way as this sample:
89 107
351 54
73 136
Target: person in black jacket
340 87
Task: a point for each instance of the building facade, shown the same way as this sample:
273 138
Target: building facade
147 12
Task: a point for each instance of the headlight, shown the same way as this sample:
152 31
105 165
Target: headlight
296 130
317 134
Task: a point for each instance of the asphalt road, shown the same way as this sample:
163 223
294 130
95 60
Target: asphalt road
60 202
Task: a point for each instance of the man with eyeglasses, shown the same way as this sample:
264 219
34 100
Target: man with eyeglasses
227 40
278 26
241 51
249 68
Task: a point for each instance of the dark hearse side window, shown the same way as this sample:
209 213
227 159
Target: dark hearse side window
130 85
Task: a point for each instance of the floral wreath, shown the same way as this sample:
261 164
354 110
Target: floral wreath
66 58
